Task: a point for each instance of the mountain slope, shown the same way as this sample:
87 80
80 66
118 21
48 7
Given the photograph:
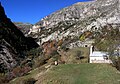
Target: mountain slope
24 27
73 74
12 43
72 21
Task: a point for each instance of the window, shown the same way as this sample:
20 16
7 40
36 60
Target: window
105 57
86 46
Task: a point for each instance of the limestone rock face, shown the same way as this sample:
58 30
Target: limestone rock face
72 21
12 43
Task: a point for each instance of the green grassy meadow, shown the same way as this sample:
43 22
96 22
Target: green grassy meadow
81 74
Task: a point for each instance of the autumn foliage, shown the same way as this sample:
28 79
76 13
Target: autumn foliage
50 47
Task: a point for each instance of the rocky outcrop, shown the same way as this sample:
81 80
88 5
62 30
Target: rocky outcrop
24 27
12 42
8 56
72 21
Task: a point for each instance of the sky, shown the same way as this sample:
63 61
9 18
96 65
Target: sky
32 11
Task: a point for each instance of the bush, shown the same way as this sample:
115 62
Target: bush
34 52
63 47
19 71
39 61
82 37
3 79
29 81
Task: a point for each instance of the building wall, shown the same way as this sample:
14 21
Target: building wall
99 60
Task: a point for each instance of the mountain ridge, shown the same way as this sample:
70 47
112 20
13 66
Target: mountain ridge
13 43
74 20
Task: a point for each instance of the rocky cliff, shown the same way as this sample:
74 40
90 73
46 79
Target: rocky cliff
13 43
70 22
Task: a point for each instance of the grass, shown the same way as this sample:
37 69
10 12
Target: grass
81 74
73 53
85 51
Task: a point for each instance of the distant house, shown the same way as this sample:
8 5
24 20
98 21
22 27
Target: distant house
98 56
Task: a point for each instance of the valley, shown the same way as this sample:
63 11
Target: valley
79 44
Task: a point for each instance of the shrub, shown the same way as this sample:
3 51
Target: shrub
82 37
29 81
39 61
3 79
19 71
34 52
60 42
63 47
